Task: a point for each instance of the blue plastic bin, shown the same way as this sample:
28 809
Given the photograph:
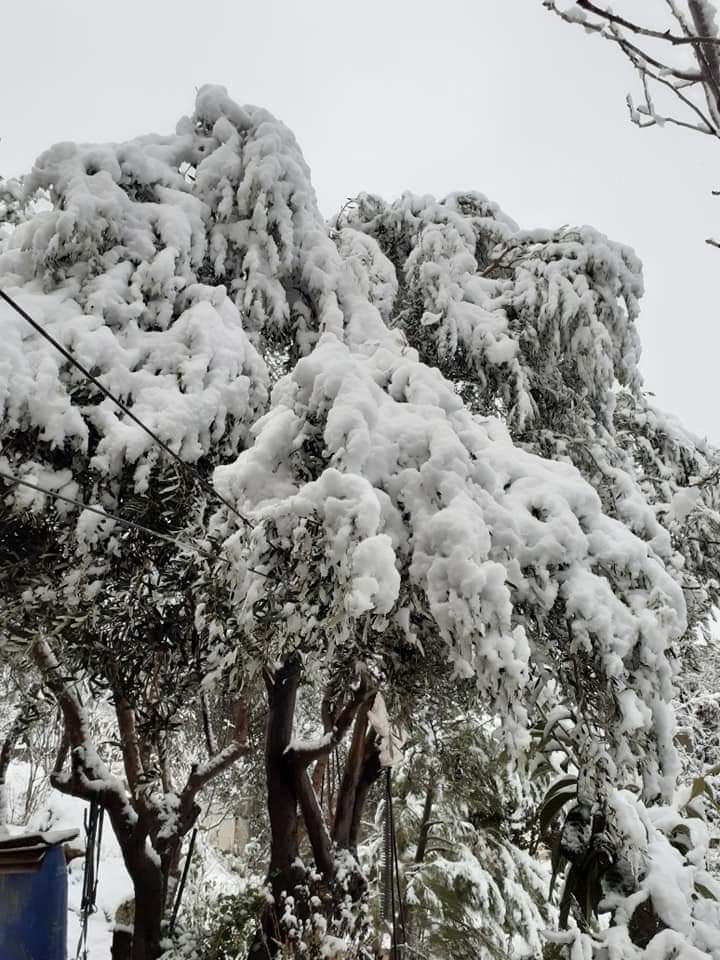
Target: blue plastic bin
33 896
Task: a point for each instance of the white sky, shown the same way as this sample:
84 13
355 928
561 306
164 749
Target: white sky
386 95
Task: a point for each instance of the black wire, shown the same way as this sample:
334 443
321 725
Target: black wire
93 821
389 837
101 817
130 524
118 403
186 868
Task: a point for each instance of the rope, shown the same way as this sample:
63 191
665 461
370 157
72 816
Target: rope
118 403
93 822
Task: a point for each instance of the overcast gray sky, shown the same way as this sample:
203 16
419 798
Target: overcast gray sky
387 95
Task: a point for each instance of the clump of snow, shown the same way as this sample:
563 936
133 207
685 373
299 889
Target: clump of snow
478 527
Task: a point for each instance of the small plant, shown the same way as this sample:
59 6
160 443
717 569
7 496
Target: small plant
218 928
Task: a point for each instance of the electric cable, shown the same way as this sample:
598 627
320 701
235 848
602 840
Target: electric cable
183 879
93 823
130 524
118 403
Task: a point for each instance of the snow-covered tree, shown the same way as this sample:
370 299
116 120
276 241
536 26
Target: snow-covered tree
436 477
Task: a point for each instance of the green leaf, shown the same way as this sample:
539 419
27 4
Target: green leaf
680 838
551 806
571 883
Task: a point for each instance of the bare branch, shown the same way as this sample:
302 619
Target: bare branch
88 777
207 728
637 28
701 37
238 746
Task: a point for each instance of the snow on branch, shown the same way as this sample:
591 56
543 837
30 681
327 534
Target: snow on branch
695 86
88 778
306 752
202 774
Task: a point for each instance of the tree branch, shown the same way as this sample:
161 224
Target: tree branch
238 746
342 828
129 743
425 823
88 778
314 823
307 753
637 28
207 728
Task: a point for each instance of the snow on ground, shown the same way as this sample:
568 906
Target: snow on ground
212 874
59 812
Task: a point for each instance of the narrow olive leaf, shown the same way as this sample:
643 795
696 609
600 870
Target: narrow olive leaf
562 784
699 786
680 838
571 883
550 809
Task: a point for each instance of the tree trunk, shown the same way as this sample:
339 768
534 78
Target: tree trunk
292 801
347 794
284 874
370 773
148 887
425 822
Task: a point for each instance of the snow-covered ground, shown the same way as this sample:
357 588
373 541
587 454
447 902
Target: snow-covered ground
212 873
59 812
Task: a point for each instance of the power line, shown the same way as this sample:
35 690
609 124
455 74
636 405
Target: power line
118 403
130 524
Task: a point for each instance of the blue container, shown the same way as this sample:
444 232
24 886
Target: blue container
33 896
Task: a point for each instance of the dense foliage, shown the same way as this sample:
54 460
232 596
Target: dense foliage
438 485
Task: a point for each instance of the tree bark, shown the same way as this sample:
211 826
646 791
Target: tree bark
137 820
347 794
425 823
371 771
284 873
148 888
289 787
707 56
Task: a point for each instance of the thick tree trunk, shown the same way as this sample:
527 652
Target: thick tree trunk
290 788
284 874
149 910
